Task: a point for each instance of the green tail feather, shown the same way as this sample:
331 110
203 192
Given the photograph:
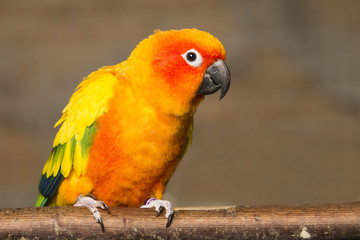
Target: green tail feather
41 201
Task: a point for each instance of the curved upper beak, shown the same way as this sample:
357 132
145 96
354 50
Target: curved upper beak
216 76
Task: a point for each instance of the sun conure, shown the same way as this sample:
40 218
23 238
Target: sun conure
127 126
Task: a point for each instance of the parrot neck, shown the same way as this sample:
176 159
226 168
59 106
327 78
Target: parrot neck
155 89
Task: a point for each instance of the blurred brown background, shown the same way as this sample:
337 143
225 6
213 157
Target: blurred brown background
287 132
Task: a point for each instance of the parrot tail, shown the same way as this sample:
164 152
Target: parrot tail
41 201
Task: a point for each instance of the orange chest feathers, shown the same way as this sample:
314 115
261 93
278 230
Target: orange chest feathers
135 151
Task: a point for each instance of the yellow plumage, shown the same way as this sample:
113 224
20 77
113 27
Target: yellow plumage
126 127
87 104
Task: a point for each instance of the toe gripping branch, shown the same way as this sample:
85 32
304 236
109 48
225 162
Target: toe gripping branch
159 206
92 203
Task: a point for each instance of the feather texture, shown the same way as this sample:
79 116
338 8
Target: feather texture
72 143
127 126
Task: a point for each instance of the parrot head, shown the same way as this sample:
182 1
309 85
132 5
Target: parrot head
179 67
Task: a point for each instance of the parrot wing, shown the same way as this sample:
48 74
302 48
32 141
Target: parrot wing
74 138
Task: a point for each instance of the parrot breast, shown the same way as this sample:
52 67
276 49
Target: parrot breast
135 150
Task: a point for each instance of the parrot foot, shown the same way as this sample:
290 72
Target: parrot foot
159 205
92 204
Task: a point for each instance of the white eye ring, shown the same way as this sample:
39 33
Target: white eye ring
193 58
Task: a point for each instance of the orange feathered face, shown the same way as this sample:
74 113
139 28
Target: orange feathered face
179 60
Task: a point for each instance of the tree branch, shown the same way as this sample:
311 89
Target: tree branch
318 221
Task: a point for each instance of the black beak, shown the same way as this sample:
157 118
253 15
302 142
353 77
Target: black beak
216 76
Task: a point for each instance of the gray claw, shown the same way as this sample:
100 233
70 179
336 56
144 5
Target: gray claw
105 206
170 218
102 225
159 211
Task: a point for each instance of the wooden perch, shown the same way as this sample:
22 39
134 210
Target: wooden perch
319 221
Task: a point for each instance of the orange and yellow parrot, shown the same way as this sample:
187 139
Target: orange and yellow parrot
127 126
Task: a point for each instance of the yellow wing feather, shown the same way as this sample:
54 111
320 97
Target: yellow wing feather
87 104
67 161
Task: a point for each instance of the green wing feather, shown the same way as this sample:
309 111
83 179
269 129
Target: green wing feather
78 125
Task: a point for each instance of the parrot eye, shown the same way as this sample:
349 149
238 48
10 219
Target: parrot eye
192 57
